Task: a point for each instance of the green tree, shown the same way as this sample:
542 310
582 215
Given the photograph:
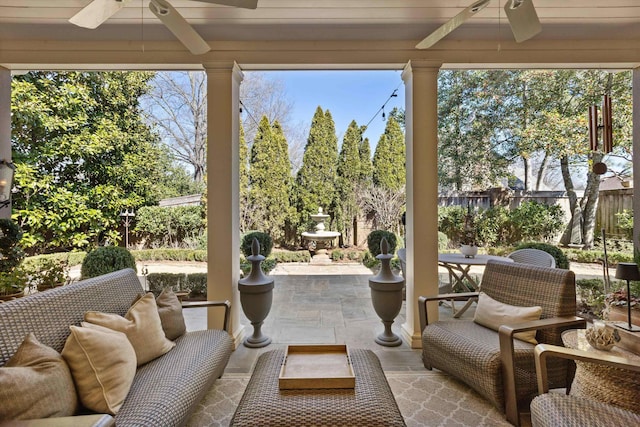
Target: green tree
366 167
82 154
316 179
243 159
348 177
389 158
468 116
269 180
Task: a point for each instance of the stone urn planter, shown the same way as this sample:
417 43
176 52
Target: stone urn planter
386 295
256 296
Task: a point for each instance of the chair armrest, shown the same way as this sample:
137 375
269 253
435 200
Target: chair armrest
544 351
422 304
226 304
505 334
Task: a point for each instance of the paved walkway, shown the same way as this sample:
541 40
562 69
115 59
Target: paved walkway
323 304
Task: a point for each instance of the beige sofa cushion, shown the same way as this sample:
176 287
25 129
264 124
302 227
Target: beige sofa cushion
36 383
103 364
142 326
492 314
171 317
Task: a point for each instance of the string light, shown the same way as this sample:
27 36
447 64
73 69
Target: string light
394 94
243 108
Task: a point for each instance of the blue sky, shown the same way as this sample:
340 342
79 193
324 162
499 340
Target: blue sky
349 95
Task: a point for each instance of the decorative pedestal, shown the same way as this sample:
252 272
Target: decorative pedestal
256 296
386 295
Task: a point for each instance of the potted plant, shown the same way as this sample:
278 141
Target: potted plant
469 240
49 274
12 284
616 307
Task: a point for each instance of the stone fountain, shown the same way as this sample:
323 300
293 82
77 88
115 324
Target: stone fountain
319 239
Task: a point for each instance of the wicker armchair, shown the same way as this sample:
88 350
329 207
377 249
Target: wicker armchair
559 410
496 365
533 257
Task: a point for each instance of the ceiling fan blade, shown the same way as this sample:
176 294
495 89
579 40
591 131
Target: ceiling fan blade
452 24
245 4
179 27
523 19
96 12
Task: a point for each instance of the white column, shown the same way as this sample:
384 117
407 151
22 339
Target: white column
635 102
223 246
5 125
421 135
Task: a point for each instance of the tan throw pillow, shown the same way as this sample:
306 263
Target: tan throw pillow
103 364
36 383
170 311
493 314
142 326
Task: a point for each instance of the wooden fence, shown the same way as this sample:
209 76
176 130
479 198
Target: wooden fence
610 203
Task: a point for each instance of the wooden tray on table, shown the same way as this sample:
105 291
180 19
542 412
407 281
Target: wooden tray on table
316 366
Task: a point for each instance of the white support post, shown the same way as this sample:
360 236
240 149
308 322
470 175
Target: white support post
5 125
421 124
223 246
635 102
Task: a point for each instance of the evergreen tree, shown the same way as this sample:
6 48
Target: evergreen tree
389 158
365 177
243 159
316 179
348 176
269 180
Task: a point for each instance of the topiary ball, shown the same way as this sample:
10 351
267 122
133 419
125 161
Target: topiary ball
266 243
561 259
374 239
106 259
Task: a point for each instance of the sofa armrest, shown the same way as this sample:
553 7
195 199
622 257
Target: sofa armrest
422 304
544 351
226 304
506 333
93 420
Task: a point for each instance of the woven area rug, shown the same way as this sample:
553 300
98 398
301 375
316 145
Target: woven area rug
424 398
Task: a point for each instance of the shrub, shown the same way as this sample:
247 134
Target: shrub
561 259
169 226
11 253
374 239
451 222
535 221
297 256
443 241
156 282
196 283
106 259
625 222
337 255
266 243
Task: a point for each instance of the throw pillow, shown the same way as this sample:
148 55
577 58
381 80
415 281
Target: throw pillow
36 383
170 311
142 326
103 364
493 314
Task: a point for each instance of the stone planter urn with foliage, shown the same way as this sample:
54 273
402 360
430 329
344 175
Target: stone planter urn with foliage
256 296
386 295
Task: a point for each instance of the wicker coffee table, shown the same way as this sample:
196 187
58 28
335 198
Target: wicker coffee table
370 404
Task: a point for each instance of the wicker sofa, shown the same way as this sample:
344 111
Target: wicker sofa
166 390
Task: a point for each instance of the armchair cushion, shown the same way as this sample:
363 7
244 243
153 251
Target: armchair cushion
36 383
492 314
